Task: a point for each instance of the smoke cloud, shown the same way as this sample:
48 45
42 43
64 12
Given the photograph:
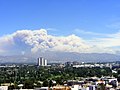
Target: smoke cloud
33 41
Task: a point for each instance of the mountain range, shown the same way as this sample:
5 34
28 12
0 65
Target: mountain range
56 57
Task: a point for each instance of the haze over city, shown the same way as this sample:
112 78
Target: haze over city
59 26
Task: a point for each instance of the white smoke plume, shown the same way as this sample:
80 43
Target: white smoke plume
39 40
32 41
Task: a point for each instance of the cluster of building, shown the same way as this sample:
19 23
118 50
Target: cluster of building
91 65
92 83
42 61
95 83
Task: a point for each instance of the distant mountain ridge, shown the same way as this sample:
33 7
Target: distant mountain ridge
84 57
16 59
61 57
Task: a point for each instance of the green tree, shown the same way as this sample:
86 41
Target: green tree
28 84
45 83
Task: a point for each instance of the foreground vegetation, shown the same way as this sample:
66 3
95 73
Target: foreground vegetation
32 76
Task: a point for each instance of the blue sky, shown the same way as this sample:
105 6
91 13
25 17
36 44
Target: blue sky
83 26
64 16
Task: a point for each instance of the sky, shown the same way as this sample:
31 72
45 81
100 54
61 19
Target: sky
93 24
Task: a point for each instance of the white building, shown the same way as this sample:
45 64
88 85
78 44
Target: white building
3 87
42 61
42 88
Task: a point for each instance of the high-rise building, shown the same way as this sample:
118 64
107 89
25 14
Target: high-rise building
42 61
68 64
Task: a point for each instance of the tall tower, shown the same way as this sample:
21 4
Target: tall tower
45 62
42 61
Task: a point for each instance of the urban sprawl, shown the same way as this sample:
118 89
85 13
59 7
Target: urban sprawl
60 76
